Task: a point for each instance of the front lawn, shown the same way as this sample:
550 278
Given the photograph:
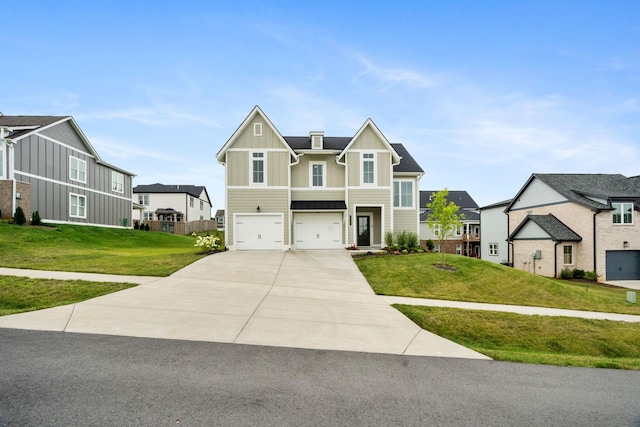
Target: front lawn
481 281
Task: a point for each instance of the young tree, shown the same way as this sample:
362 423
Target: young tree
443 219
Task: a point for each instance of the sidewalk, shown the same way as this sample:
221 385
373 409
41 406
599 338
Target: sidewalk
63 275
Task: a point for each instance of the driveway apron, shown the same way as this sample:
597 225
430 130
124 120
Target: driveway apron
302 299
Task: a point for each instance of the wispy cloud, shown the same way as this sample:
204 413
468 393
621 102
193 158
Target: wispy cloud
392 76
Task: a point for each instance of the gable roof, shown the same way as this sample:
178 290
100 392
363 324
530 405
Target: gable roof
395 158
465 202
551 225
407 163
497 204
192 190
583 188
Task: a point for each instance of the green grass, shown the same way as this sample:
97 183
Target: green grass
95 250
20 294
481 281
535 339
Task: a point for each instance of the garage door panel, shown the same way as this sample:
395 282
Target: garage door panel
259 232
318 230
623 265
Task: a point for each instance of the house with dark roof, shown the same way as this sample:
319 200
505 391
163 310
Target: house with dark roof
48 165
466 239
173 203
576 221
315 191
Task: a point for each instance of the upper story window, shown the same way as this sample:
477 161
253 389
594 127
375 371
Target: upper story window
117 182
403 194
191 202
257 129
77 206
258 168
77 169
368 168
143 199
317 171
201 205
622 213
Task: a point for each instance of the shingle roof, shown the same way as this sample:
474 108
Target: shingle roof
32 121
193 190
497 204
407 162
465 202
551 225
316 205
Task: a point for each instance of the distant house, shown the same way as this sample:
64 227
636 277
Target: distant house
219 217
494 232
467 238
48 165
589 222
174 203
315 191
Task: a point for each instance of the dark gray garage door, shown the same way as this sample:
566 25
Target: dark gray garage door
623 265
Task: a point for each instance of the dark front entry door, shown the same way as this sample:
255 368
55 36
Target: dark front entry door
364 225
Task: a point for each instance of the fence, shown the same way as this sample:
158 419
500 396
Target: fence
182 228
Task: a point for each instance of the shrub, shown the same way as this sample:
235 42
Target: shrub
209 243
591 275
430 245
35 218
412 240
136 225
578 274
19 217
401 239
146 227
388 239
566 274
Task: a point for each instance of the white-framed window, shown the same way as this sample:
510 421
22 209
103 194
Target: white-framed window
257 129
403 194
436 247
77 206
117 182
77 169
258 167
368 168
201 205
147 215
567 255
622 212
458 249
191 202
436 230
143 199
458 231
493 249
317 174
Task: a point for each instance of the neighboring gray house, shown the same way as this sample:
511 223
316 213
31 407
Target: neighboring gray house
178 203
315 192
48 165
467 238
219 217
576 221
494 232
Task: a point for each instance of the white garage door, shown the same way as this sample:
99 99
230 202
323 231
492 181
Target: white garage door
259 232
317 230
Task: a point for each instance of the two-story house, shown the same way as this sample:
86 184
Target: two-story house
576 221
178 203
315 191
494 232
466 239
48 165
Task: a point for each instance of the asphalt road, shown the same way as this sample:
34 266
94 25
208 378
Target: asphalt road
65 379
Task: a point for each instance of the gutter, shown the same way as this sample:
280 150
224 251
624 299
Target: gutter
555 258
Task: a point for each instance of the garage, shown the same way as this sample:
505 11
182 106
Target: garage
317 230
259 231
623 265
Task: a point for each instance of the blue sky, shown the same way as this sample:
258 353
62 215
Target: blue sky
481 93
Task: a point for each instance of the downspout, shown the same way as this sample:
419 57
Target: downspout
595 241
555 259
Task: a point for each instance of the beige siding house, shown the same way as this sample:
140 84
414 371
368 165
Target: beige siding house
576 221
315 191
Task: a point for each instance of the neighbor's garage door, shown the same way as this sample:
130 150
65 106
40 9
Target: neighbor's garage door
259 232
623 265
317 230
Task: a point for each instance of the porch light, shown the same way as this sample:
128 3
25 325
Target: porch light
258 209
625 244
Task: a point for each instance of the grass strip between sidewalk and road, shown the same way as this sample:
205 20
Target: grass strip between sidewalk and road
21 294
545 340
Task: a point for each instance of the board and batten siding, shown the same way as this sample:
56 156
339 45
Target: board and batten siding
268 139
383 168
66 134
247 200
537 193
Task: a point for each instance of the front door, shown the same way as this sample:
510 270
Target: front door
364 227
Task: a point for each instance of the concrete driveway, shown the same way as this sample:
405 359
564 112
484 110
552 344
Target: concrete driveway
302 299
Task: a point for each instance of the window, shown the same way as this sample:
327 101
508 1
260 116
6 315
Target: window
568 255
403 194
191 202
201 205
77 206
458 249
436 230
436 247
147 215
143 199
117 182
493 249
368 168
257 168
458 231
257 129
317 174
77 169
623 213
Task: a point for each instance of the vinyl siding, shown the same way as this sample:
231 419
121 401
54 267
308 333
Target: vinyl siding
246 200
278 168
334 174
383 168
269 138
405 220
65 133
237 168
368 140
537 193
494 230
317 195
531 231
